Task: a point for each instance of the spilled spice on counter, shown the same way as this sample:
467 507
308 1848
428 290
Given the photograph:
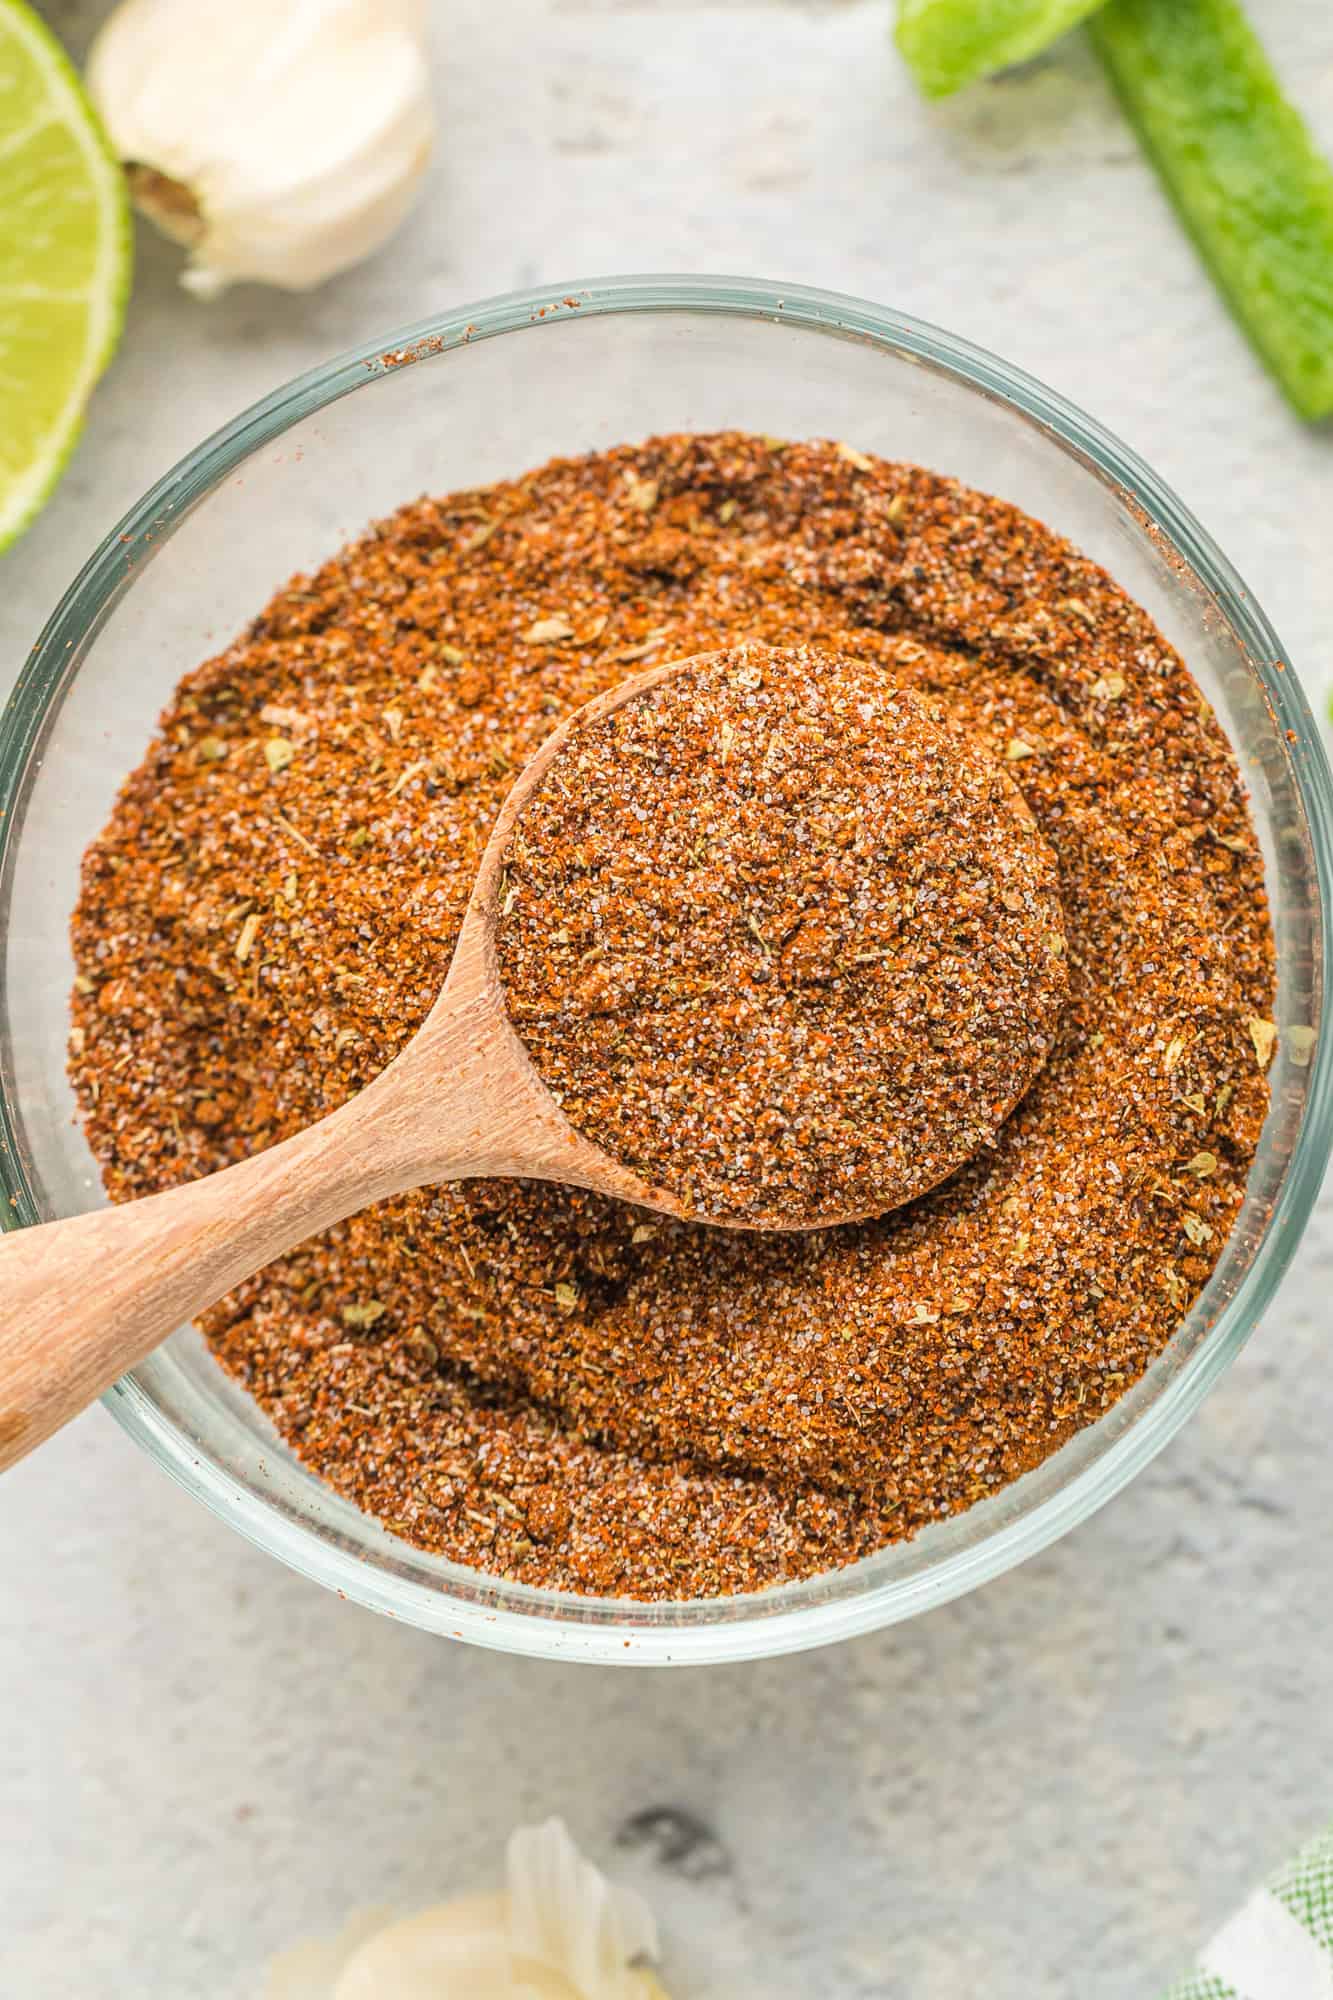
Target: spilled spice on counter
550 1386
777 936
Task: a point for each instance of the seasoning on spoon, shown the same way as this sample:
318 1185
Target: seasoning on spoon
778 937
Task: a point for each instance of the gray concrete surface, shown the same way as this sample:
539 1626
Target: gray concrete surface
1054 1787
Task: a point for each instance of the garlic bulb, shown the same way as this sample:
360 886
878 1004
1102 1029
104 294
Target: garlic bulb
560 1931
280 143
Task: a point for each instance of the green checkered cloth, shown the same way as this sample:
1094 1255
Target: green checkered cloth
1279 1945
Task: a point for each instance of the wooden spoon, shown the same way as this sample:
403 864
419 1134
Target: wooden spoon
84 1299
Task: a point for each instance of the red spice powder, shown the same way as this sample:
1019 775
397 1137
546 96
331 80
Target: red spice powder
546 1385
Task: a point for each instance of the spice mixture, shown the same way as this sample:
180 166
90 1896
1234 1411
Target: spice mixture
542 1383
778 937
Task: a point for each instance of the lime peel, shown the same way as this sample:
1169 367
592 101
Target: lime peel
65 260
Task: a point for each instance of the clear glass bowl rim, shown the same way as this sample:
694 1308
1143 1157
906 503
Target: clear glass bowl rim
621 1631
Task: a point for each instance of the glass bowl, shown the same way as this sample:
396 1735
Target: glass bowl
478 395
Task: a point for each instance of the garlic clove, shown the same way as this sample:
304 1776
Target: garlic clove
310 1970
281 145
560 1931
458 1951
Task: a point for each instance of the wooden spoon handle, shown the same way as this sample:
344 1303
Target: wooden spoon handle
84 1299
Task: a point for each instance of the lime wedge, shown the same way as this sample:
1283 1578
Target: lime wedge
64 261
949 43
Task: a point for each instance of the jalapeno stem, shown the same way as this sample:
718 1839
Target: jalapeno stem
949 43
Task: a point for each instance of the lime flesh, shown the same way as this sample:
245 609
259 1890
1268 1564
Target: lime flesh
64 261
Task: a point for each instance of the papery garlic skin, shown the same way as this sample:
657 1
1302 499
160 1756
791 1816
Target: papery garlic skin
281 143
563 1913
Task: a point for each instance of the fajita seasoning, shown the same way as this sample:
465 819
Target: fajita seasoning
580 1395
